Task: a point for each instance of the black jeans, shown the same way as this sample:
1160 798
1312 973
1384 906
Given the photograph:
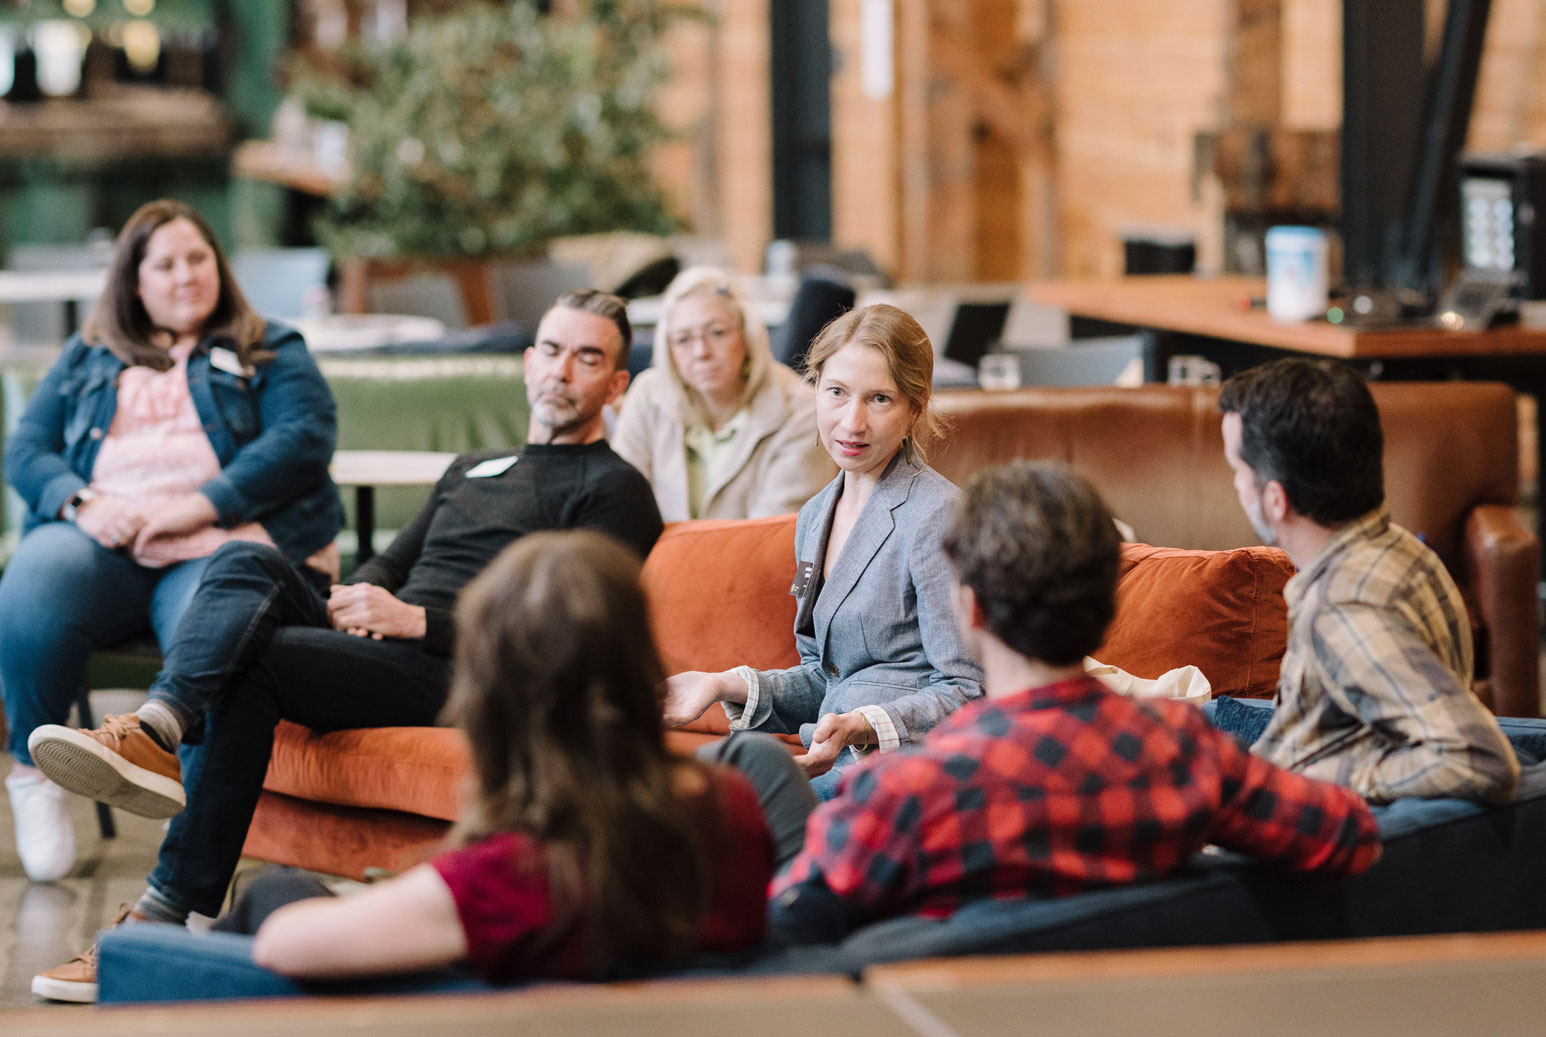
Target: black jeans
268 893
254 648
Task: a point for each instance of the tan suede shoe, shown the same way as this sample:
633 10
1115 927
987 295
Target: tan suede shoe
76 979
117 764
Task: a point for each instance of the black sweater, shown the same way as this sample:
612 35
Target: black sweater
467 521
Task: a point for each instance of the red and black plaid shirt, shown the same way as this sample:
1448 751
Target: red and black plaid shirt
1060 788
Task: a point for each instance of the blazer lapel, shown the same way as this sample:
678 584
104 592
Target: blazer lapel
806 603
873 528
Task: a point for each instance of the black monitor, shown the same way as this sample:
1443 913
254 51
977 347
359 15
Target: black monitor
1503 220
1404 122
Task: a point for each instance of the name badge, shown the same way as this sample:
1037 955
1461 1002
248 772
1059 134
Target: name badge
227 361
803 572
492 467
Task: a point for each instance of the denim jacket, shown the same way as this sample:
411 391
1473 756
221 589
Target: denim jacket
273 432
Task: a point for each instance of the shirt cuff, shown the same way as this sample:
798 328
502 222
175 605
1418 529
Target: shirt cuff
741 714
885 728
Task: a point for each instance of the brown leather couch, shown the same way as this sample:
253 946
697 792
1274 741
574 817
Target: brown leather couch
1157 455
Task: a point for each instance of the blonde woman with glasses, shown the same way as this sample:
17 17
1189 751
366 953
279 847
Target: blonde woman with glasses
720 428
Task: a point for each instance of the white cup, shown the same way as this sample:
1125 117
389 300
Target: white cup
999 371
1296 273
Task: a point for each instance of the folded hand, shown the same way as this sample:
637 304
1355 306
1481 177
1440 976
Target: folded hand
834 733
365 610
110 521
177 516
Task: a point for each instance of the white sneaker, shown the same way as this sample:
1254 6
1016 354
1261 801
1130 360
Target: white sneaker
45 836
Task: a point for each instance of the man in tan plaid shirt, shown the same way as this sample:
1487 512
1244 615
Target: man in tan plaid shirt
1375 691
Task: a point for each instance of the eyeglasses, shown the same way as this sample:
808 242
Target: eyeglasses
712 334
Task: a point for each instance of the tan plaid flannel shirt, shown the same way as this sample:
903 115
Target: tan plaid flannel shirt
1375 691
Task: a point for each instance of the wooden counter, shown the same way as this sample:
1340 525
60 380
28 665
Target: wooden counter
1221 308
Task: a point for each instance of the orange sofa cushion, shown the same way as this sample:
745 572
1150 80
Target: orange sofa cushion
1222 611
417 770
719 597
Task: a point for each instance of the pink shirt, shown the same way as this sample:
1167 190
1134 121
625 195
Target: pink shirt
156 450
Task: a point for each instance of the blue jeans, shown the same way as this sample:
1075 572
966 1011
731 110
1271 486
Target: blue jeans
825 785
62 596
254 648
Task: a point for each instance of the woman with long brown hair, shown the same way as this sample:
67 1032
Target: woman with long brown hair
177 420
584 843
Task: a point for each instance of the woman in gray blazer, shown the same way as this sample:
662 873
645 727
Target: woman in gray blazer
881 658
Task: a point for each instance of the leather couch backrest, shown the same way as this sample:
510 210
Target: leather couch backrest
1156 453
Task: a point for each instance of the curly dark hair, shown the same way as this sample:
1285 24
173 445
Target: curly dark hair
1312 426
1037 546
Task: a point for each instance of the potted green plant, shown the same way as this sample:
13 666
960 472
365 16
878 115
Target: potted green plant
489 129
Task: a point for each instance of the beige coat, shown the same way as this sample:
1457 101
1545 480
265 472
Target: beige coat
778 464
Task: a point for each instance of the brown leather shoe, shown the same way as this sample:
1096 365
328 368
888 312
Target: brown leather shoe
76 979
118 764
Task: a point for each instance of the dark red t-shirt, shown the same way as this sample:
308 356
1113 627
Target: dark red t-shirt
501 891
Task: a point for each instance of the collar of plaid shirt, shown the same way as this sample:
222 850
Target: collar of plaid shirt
1370 525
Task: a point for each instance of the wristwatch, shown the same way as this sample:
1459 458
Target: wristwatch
79 497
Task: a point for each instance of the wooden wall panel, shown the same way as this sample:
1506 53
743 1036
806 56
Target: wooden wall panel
1003 232
687 167
1510 103
746 130
867 210
929 181
1136 81
719 173
1312 64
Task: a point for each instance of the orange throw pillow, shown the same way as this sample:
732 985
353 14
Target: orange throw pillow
1221 611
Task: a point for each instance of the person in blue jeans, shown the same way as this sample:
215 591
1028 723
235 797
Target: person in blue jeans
177 420
264 641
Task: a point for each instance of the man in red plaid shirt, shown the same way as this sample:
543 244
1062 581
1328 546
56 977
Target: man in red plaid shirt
1052 783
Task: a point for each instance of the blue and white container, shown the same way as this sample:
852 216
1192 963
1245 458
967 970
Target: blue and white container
1296 273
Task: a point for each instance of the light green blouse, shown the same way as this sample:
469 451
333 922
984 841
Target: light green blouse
708 455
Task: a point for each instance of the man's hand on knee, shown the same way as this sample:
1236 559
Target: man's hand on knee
365 610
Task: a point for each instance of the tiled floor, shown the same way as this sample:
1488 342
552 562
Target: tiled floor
45 924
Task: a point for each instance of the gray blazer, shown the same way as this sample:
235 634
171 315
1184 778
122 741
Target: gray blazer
881 631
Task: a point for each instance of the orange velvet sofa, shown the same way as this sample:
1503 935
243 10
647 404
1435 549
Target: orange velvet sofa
719 595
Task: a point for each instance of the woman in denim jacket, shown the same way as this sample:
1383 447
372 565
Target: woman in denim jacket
176 421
